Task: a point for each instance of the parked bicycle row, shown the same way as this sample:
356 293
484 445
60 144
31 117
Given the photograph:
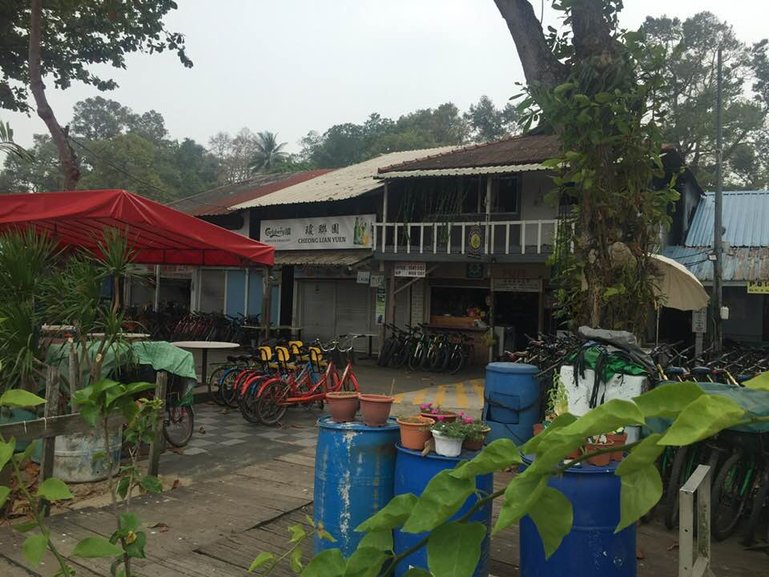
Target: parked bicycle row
265 384
425 349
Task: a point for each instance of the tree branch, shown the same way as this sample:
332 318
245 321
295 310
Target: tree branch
539 63
67 159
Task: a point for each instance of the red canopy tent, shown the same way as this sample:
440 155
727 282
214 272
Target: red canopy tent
158 234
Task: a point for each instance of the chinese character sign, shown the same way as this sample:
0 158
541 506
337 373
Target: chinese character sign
349 231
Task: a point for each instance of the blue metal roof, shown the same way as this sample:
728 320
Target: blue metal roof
739 264
745 218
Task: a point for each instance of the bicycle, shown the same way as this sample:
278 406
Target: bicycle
178 415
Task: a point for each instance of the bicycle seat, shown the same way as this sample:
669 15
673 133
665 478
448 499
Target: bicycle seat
678 371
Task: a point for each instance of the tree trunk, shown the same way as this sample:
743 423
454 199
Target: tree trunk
67 159
539 64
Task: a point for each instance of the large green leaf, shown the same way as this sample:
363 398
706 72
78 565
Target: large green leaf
443 496
417 572
453 549
703 418
642 455
520 493
6 451
151 484
605 418
640 491
496 456
4 492
365 562
553 515
760 382
381 539
328 563
96 547
128 522
20 398
295 560
34 548
667 400
558 423
54 489
392 515
135 548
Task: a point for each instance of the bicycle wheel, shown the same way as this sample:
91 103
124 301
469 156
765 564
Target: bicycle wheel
269 405
457 361
248 403
214 381
350 383
384 355
228 389
757 506
178 425
398 356
415 358
674 484
730 495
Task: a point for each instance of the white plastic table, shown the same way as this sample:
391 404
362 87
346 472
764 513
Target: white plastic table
205 346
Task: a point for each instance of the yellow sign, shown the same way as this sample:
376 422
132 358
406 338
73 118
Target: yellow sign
758 287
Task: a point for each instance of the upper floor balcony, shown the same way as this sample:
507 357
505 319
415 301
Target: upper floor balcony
449 240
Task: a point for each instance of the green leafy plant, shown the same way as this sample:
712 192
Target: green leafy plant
557 399
453 429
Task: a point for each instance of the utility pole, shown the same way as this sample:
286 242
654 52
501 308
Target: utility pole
717 220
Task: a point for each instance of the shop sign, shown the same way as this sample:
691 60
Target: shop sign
176 271
319 233
411 269
474 270
700 321
381 300
517 285
377 280
363 277
475 241
758 287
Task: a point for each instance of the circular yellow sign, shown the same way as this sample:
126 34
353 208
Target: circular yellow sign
475 240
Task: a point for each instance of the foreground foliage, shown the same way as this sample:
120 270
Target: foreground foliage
453 545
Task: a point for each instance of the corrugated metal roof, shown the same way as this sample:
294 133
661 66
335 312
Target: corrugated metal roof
739 264
342 183
522 149
745 218
220 200
322 257
511 168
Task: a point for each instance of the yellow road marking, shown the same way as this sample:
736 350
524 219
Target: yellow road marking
462 400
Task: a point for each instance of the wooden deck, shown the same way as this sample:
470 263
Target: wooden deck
215 528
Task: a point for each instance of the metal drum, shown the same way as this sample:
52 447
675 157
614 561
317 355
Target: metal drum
591 549
412 474
511 401
354 470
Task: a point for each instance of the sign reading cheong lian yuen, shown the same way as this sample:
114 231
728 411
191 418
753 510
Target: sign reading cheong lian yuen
410 269
319 233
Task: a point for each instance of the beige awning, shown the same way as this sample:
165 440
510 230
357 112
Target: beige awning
322 257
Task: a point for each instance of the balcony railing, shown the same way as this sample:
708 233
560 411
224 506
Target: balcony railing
510 237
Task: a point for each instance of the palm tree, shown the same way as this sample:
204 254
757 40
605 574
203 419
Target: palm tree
7 144
268 152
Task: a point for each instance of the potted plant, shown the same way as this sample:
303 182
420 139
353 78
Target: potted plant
431 412
342 405
375 409
476 433
617 438
415 431
449 436
557 403
598 443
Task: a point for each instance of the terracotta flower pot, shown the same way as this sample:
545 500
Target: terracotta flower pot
415 432
618 439
476 444
448 416
598 460
375 409
342 405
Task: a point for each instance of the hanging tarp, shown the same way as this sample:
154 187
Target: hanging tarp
158 234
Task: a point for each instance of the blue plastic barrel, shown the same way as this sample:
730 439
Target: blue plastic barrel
591 549
412 474
511 401
354 470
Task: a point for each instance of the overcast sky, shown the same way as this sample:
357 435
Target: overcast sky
298 65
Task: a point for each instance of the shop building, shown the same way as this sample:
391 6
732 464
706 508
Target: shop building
745 265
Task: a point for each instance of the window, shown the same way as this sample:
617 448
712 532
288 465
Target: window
506 197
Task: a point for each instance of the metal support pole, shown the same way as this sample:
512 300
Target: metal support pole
717 221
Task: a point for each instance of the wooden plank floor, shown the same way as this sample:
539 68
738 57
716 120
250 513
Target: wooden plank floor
215 528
